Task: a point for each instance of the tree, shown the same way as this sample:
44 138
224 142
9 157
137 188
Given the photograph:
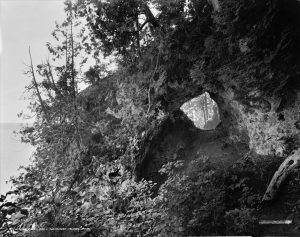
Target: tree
57 132
36 86
120 26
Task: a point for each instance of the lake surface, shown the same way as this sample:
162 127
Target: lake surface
13 154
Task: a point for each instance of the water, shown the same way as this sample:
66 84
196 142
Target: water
13 154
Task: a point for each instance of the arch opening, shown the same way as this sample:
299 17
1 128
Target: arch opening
203 111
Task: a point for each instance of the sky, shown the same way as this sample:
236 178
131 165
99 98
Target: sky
13 154
23 23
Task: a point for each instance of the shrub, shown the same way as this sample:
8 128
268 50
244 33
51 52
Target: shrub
198 200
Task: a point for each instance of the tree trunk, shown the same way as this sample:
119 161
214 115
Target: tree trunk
52 79
48 89
290 163
204 114
204 108
72 62
215 4
150 81
149 15
36 86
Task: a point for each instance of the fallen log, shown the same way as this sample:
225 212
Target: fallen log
275 222
289 164
215 4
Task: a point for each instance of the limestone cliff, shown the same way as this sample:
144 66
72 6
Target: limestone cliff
246 56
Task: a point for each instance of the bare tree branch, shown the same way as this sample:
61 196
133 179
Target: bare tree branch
150 17
72 62
37 87
287 166
57 91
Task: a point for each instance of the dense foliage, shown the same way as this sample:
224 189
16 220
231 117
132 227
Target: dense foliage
88 142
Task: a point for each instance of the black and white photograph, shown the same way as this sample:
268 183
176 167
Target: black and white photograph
149 118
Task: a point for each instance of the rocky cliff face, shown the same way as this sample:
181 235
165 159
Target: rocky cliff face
256 79
250 65
247 57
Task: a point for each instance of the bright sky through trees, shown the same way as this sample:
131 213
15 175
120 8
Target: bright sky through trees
23 23
0 41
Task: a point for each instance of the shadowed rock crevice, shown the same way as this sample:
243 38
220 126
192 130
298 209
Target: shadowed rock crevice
179 139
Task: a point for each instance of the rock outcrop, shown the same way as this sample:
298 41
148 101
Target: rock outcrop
246 56
249 62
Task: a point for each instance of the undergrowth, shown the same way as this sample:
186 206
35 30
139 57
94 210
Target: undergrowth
203 200
195 199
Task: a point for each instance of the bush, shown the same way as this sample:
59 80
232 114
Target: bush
196 199
240 221
199 200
